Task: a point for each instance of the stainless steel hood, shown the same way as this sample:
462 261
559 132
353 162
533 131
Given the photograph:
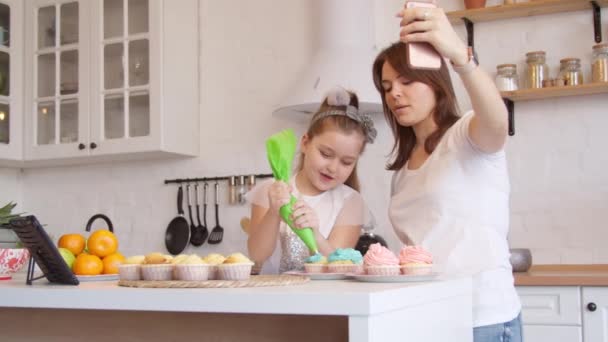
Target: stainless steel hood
344 57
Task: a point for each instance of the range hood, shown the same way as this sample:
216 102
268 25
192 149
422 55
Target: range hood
344 57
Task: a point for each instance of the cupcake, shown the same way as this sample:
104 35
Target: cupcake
315 263
345 260
191 268
130 268
213 259
157 266
415 260
235 267
379 260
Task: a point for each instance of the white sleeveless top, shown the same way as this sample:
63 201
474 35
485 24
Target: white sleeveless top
340 206
456 205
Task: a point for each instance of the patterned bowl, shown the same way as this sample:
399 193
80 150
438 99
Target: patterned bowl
12 260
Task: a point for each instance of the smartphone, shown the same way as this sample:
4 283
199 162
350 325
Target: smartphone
422 55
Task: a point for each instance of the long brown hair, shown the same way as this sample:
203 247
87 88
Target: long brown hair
340 122
445 113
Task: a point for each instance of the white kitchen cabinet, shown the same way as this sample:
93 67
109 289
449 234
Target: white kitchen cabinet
564 313
110 80
11 82
595 314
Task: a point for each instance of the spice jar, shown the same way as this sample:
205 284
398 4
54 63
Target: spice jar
570 71
232 190
242 190
599 64
506 77
536 69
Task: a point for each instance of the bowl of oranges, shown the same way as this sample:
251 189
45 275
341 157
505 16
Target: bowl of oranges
94 257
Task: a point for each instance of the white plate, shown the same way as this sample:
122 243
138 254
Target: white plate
101 277
401 278
319 276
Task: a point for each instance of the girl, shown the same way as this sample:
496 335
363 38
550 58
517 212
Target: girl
450 189
325 184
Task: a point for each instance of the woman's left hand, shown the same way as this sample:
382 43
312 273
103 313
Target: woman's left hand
430 25
304 216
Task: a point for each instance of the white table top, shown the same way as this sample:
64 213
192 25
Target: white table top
317 297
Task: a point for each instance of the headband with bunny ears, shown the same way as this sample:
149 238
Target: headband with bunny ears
339 97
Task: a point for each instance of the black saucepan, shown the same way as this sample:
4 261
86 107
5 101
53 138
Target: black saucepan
177 234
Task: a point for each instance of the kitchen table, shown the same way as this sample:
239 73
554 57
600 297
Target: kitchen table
344 310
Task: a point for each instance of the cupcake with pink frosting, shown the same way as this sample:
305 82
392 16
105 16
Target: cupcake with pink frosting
415 260
379 260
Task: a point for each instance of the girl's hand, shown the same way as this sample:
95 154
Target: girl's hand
304 216
278 196
430 25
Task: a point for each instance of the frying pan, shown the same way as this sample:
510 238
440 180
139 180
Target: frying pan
177 234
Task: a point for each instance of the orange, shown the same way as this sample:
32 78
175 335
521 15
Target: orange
72 242
102 243
87 264
111 262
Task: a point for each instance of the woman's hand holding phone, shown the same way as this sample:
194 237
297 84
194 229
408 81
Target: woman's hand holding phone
422 22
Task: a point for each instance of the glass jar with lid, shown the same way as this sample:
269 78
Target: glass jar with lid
506 77
599 64
536 69
570 71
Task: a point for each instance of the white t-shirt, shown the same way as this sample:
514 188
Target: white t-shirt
340 206
456 205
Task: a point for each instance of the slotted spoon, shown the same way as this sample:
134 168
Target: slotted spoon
217 234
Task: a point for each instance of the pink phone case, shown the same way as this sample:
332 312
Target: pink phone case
422 55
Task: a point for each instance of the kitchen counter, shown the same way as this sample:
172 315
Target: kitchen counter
563 275
317 310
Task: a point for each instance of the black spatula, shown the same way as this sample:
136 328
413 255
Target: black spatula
217 234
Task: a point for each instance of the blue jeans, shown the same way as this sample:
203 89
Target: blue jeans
502 332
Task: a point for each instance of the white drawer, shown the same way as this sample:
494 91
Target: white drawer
560 305
546 333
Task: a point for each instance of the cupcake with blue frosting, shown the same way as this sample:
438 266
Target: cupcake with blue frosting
345 260
315 264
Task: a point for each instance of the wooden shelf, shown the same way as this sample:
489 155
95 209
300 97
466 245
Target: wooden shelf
544 93
519 10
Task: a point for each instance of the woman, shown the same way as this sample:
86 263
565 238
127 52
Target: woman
450 189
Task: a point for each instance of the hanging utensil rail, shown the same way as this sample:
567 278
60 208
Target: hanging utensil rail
209 179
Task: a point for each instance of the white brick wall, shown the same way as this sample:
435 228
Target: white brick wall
557 158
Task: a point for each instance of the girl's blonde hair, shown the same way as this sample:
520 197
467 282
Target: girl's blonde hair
322 122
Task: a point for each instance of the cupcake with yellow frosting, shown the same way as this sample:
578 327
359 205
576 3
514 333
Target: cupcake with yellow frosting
157 266
130 269
191 268
315 264
236 267
213 260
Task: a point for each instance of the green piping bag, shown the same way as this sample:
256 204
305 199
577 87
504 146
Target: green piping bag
281 149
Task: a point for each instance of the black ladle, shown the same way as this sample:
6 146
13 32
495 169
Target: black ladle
200 233
192 225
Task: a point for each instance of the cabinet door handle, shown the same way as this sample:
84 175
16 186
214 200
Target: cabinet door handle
81 146
93 146
591 307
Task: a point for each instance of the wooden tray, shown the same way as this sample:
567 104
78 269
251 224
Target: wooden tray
254 281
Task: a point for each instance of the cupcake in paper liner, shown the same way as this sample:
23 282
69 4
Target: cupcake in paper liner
157 266
235 267
345 260
315 264
213 260
415 260
130 269
379 260
191 268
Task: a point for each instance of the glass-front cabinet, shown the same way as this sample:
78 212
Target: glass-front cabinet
111 77
11 81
